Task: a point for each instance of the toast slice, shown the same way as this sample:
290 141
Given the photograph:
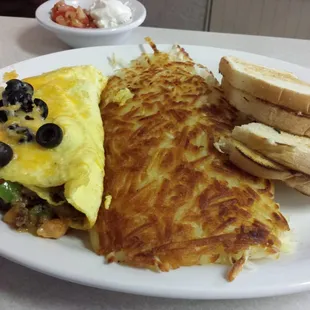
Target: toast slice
275 86
283 148
267 113
262 167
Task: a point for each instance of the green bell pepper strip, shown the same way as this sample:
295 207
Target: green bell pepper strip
9 191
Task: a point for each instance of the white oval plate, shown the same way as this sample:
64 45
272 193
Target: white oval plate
71 258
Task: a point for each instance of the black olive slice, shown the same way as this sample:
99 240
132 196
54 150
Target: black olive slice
6 154
3 115
21 130
27 137
13 126
26 103
11 98
5 95
42 106
26 134
49 135
13 85
29 118
17 91
18 85
28 88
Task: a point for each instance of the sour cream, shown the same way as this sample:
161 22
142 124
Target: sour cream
110 13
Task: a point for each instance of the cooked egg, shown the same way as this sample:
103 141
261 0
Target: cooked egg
72 95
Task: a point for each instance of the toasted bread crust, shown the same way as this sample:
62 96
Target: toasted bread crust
254 156
258 81
267 113
247 164
253 165
286 149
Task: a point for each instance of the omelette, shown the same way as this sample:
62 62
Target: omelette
51 151
171 198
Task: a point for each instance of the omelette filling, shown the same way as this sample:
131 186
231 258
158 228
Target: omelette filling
24 210
47 184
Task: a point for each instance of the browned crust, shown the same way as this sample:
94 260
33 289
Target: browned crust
236 268
176 200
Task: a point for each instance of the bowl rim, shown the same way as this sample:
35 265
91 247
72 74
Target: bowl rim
43 17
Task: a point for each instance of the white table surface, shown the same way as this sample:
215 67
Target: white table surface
21 288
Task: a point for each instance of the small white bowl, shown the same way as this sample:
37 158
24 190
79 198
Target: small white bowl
76 37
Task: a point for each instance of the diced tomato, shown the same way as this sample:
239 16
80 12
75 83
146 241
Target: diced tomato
81 15
61 20
68 15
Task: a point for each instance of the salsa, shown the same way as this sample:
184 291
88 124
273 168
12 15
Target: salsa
68 15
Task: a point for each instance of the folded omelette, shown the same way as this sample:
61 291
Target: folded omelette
51 151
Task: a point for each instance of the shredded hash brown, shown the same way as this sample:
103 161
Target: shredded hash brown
177 201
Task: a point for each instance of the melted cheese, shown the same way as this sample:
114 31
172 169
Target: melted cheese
10 75
107 202
72 95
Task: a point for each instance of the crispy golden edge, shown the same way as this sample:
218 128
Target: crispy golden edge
190 211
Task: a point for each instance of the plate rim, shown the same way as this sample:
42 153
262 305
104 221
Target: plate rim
144 45
149 291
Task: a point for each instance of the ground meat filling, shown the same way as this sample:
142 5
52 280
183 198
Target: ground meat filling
35 215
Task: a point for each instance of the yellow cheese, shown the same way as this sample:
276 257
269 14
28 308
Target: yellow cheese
72 95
